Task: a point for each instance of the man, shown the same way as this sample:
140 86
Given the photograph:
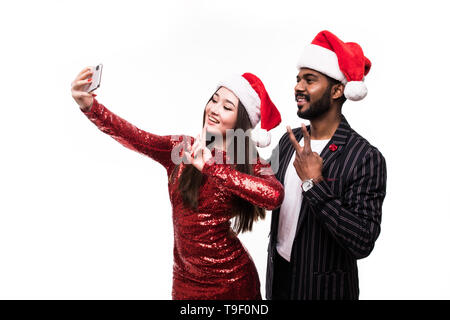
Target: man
334 180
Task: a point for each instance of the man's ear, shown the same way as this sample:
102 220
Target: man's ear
337 91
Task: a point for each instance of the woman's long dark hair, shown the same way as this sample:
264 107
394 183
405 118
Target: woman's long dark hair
245 213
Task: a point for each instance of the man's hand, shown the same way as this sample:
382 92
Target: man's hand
308 164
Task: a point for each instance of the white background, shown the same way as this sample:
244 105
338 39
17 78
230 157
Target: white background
82 217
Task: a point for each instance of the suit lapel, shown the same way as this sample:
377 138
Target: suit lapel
339 139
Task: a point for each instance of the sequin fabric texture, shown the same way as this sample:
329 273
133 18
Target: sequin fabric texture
209 260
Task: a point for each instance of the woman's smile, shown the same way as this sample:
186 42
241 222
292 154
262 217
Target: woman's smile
212 120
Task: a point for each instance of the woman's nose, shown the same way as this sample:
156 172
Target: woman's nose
214 109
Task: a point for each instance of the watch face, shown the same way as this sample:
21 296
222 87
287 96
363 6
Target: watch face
308 184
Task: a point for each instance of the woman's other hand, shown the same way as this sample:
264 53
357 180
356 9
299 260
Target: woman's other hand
199 153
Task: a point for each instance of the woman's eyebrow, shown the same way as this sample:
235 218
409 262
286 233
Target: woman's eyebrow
226 100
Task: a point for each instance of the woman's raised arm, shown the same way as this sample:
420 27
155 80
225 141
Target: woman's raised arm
157 147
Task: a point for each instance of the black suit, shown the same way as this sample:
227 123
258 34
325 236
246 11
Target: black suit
339 219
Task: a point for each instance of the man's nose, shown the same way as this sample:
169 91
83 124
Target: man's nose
300 86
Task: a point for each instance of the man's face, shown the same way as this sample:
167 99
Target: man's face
312 93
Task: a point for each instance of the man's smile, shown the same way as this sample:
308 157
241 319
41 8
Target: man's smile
301 99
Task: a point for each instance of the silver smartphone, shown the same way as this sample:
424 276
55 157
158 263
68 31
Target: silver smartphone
96 77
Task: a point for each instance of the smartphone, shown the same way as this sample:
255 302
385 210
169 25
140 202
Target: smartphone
96 77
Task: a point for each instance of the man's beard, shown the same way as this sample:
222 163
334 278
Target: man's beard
317 108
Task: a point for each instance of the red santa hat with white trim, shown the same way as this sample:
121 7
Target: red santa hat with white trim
253 95
343 61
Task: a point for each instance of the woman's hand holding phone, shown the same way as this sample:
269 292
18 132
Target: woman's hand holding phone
79 85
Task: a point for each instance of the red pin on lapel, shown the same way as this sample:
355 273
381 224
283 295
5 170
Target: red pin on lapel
333 147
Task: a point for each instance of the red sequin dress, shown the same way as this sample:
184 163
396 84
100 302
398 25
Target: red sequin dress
209 260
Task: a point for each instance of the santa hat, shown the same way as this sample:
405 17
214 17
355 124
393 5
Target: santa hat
253 95
343 61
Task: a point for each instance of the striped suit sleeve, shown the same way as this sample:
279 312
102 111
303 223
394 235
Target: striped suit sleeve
354 219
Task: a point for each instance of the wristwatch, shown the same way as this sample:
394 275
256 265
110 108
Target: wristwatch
307 184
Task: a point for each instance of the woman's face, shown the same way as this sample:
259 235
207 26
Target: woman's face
221 112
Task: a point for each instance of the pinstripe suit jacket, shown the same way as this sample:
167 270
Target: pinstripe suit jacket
339 219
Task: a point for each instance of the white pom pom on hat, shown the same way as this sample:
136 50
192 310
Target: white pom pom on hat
253 95
343 61
261 137
355 90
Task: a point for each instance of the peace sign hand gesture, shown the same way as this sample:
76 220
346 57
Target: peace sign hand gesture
307 163
199 154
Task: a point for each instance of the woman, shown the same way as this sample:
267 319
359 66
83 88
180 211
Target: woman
209 189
